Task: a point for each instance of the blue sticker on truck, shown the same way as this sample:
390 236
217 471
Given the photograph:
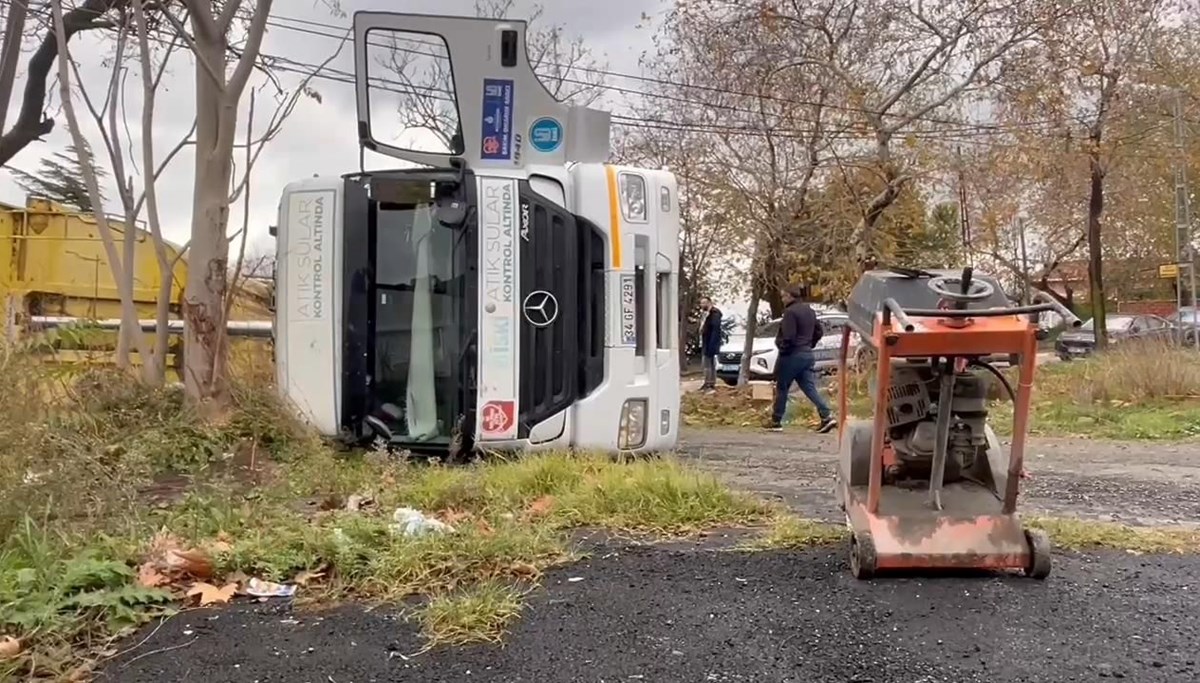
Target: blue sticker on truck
546 134
496 141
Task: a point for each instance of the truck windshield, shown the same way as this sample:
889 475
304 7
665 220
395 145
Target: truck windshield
420 291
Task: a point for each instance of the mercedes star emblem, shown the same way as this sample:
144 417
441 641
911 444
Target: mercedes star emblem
541 308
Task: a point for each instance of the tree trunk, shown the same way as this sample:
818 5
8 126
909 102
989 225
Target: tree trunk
87 165
203 304
1095 254
751 330
217 95
125 336
208 251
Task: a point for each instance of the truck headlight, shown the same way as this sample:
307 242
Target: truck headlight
631 433
633 197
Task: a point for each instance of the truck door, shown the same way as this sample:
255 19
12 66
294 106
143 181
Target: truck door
432 88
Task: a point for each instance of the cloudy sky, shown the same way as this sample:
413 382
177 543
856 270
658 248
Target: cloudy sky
319 138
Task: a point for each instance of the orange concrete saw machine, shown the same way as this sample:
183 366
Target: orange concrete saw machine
924 483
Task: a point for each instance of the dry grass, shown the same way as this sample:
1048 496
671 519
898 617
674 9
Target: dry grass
1136 391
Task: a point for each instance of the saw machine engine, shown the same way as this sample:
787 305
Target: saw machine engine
913 399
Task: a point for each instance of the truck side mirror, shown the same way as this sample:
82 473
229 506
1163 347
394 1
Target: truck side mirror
451 213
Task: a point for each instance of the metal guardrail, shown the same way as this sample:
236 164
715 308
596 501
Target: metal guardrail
235 328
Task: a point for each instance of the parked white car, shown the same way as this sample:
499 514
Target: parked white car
764 354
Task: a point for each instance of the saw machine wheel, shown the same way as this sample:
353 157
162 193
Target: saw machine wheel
862 556
1039 554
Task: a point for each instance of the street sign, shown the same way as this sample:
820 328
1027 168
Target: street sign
1168 271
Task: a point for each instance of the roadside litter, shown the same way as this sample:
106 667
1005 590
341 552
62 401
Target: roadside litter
410 522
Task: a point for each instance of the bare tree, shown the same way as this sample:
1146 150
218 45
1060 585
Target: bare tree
87 165
902 67
1085 78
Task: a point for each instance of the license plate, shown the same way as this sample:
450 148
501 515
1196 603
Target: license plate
1077 352
727 368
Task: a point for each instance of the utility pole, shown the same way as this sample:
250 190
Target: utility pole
1025 300
1183 220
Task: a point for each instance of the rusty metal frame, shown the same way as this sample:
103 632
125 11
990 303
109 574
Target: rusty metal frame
944 538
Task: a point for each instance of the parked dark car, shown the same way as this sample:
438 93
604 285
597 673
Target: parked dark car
1188 318
1081 342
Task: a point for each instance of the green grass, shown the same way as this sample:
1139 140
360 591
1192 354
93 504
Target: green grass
794 533
1075 534
478 613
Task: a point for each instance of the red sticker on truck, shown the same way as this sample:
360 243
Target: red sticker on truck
497 417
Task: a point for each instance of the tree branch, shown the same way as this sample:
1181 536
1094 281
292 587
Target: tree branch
30 124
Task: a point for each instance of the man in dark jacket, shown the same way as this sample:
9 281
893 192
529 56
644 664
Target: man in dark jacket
710 342
799 332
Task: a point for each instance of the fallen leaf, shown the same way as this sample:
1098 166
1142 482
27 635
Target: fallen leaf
308 576
150 577
484 527
540 506
238 577
189 562
525 569
356 503
220 545
9 648
452 516
211 595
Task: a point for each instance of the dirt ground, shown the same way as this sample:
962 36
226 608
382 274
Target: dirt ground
1136 483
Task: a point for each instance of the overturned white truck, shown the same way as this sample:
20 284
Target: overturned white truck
511 290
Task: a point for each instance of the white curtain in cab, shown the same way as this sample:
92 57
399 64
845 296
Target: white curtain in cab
420 399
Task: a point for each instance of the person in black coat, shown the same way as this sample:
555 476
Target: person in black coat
710 342
799 332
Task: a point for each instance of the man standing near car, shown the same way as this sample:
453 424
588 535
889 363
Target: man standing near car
710 342
799 332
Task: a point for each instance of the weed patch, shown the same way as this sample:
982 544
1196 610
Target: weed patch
793 533
86 556
479 613
1074 534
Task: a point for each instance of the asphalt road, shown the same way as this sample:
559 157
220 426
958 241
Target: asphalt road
709 614
642 614
1134 483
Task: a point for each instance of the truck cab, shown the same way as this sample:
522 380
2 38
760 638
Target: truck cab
510 290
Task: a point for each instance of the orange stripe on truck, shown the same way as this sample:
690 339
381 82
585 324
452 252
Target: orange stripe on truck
614 216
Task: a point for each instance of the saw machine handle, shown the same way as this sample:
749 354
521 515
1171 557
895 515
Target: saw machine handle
1055 305
964 290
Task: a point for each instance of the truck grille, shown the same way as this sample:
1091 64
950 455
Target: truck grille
562 359
729 357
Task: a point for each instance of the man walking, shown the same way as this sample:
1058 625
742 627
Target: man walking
798 333
710 342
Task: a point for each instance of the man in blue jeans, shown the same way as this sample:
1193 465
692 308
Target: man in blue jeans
799 332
